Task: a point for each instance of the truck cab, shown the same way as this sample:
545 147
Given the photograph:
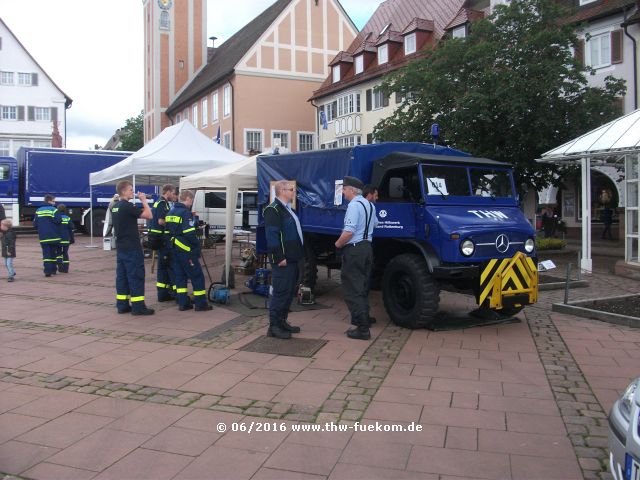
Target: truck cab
9 187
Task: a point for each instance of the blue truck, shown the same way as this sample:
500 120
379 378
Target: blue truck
63 173
447 220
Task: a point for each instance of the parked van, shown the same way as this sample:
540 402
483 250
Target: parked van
210 205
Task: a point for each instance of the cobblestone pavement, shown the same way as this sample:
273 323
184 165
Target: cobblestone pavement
87 393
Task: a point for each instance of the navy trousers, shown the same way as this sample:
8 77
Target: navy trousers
63 260
186 266
165 282
284 281
130 280
50 257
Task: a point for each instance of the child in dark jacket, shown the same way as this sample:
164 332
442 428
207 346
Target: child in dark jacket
8 246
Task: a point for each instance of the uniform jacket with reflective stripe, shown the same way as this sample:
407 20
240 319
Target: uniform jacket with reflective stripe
283 241
66 229
46 220
181 226
160 210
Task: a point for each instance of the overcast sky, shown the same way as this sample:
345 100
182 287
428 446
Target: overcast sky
92 49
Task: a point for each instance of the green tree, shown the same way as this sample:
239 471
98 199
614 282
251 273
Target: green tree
509 91
132 136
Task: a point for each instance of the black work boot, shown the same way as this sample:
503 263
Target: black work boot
204 308
359 333
286 326
144 311
278 332
184 308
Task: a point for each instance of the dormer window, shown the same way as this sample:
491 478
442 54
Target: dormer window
336 73
359 64
386 27
459 32
586 2
410 44
383 54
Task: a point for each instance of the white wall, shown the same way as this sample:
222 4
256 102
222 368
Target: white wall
13 58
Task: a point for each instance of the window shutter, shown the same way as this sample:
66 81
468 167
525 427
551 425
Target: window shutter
369 138
20 112
31 114
368 100
616 46
34 79
579 52
398 97
385 100
54 114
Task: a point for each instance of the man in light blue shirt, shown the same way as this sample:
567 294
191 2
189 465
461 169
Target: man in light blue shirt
357 255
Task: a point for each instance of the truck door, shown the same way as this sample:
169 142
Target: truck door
249 210
400 197
9 187
215 204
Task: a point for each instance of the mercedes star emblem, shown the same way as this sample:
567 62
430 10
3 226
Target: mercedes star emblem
502 243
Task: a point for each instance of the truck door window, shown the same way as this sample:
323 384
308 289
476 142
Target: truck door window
251 200
215 200
486 182
5 169
410 181
444 181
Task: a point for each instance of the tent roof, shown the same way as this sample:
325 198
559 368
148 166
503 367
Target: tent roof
177 151
618 136
242 175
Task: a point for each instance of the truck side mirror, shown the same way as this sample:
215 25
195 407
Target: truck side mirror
396 187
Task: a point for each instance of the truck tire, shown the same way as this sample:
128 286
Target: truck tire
411 295
510 311
98 223
310 273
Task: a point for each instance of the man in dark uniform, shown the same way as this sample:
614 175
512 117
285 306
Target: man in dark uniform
284 248
357 256
186 254
66 239
159 236
130 258
47 221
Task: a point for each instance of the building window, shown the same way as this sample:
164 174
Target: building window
350 141
336 73
253 141
459 32
6 78
359 64
226 140
383 54
331 110
227 101
279 138
42 114
305 142
178 118
165 23
410 44
4 150
378 98
24 79
348 104
214 107
204 112
599 50
9 113
42 143
194 115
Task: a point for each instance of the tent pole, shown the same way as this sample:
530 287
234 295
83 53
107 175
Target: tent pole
586 263
91 245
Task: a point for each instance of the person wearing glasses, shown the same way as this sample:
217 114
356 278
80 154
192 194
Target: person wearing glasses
284 248
357 256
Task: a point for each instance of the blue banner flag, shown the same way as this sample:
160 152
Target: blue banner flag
323 120
218 135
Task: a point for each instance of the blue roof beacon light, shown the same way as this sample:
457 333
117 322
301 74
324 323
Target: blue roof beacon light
435 133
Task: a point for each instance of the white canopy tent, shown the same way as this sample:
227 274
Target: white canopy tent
617 142
233 177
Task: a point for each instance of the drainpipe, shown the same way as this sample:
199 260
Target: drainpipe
317 123
635 62
233 117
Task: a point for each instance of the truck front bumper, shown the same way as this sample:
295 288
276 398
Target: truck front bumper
456 272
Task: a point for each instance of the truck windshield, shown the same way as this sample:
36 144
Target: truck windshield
445 181
488 182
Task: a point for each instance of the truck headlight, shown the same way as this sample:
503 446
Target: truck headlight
467 247
529 245
626 401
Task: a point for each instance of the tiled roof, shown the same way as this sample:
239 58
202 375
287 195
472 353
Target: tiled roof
419 24
465 15
226 56
342 57
601 8
398 14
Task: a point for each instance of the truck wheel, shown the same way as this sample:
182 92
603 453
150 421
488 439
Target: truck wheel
411 295
310 275
98 223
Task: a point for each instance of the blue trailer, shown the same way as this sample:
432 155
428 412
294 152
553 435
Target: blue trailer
446 220
60 172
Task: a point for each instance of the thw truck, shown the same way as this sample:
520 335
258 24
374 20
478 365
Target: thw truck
60 172
446 220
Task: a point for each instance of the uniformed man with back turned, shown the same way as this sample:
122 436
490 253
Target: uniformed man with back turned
357 255
160 239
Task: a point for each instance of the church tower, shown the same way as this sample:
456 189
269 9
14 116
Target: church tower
175 50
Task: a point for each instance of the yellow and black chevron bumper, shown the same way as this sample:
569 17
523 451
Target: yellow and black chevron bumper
508 282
